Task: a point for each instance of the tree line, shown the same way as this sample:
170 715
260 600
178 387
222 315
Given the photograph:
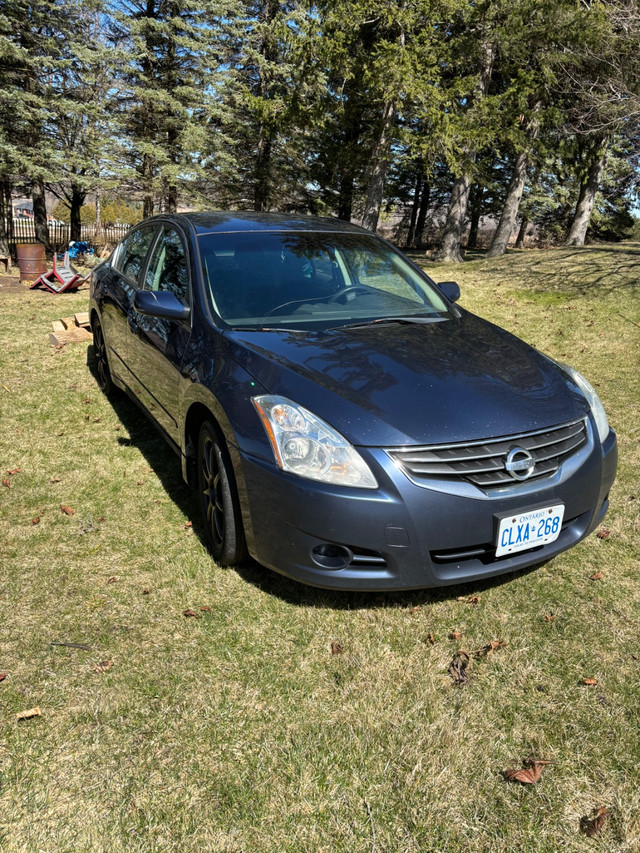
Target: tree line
440 112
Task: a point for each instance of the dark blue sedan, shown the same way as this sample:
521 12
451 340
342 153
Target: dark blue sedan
343 420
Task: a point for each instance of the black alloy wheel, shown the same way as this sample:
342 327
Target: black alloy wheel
218 500
100 355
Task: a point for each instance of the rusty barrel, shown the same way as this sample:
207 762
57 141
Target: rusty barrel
31 261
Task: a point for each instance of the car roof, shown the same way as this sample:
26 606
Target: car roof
225 222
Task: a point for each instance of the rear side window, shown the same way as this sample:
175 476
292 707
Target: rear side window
133 252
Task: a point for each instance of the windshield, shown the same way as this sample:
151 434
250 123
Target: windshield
311 280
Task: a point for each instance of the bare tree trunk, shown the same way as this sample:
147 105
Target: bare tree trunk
415 207
378 177
5 215
261 187
449 251
475 201
347 167
98 235
510 210
40 214
77 200
172 198
522 233
425 200
586 199
148 201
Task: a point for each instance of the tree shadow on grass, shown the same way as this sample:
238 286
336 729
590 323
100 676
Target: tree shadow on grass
572 271
143 435
150 442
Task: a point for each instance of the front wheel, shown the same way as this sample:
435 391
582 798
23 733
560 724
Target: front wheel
218 500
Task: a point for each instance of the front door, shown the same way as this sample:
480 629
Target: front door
156 346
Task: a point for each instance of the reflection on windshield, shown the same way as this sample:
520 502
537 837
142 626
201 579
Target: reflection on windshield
311 280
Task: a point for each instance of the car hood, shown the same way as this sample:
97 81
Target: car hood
390 384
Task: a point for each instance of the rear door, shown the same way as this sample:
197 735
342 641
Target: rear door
118 287
156 346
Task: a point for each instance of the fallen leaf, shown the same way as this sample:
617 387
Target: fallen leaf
336 648
414 609
474 599
96 420
55 480
590 682
112 580
26 715
86 400
6 482
146 591
603 533
205 609
3 675
67 510
459 668
140 483
188 524
430 639
35 520
491 647
190 612
103 666
455 635
593 826
549 617
15 471
597 576
101 518
529 776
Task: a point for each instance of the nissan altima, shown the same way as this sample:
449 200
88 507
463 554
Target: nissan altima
344 421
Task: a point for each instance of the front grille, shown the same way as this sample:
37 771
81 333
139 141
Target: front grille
483 462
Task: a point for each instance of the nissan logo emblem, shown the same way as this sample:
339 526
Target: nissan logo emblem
520 463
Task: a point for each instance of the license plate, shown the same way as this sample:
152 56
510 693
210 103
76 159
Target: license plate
529 529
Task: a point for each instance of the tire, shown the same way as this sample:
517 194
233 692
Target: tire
219 503
103 374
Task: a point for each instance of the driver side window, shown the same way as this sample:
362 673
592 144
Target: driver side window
167 268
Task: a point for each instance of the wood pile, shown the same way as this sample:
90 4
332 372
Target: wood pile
71 330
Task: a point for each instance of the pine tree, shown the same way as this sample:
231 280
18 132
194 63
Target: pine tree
172 53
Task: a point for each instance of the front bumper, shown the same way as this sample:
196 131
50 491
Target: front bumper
408 536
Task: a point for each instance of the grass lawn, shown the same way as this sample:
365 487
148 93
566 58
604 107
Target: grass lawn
238 729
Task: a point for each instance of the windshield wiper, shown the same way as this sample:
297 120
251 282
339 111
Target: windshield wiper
381 321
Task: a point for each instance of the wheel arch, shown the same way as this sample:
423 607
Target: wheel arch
198 412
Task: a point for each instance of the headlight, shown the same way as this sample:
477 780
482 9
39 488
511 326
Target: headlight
594 401
307 446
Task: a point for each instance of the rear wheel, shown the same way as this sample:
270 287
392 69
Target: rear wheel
218 499
103 374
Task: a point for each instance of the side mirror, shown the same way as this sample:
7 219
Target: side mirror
161 304
450 289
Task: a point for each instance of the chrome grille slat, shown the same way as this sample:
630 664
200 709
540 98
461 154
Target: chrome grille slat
483 462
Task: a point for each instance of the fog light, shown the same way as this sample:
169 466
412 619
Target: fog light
332 557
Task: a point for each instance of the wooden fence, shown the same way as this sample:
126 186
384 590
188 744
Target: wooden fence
60 233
